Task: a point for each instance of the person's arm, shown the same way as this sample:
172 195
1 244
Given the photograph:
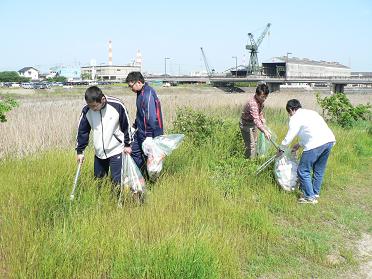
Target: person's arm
150 114
258 119
82 138
294 128
124 125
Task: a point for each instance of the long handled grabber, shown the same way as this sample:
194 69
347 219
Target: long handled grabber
275 145
265 165
72 195
268 162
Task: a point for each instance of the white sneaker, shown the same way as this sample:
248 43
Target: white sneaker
305 200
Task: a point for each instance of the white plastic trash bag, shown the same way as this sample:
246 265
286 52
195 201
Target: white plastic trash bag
131 177
156 149
285 170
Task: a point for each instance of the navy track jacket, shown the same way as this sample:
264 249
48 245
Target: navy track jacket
111 129
149 120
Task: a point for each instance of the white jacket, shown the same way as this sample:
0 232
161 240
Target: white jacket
310 127
110 126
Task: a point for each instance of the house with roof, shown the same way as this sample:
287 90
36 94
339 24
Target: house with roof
29 72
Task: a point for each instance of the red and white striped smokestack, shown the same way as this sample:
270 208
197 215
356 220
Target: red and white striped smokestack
110 53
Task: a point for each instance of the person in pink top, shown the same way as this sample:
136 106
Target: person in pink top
252 120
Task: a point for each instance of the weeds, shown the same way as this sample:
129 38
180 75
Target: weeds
207 216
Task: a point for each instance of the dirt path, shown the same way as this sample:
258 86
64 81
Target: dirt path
364 258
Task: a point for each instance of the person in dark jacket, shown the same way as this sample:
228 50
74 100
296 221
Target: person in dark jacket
149 120
108 118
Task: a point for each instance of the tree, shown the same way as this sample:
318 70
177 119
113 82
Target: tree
12 76
57 79
6 105
338 108
85 76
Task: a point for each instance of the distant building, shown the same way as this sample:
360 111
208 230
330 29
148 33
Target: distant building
29 72
109 72
71 73
296 67
362 74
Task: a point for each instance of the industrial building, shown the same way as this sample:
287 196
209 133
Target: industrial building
69 72
296 67
112 72
108 72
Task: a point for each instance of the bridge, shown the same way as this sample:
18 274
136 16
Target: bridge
336 84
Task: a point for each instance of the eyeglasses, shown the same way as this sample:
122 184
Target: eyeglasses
131 86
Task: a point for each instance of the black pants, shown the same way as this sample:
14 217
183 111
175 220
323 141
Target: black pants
102 166
137 152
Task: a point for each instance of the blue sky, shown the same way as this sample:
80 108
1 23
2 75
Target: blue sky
72 32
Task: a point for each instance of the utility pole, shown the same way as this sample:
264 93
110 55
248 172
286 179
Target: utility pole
236 65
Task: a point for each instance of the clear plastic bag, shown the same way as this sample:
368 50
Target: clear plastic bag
156 149
131 177
285 170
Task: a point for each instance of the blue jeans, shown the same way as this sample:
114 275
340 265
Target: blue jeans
311 169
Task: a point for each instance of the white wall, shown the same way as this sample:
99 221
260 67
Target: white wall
308 70
31 73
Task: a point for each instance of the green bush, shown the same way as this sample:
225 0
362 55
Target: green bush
338 109
12 76
195 125
6 105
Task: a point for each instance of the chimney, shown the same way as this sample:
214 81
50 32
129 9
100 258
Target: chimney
110 53
138 60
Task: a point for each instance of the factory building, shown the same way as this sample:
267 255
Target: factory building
70 72
108 72
112 72
296 67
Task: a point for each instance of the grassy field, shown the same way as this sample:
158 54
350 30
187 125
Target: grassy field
208 216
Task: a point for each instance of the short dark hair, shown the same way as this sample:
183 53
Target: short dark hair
134 77
93 94
293 105
262 89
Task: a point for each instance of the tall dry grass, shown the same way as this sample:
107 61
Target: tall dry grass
49 122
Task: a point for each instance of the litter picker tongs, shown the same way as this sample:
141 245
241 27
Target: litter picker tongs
270 160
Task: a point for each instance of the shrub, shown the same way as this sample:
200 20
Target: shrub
12 76
195 125
6 105
338 109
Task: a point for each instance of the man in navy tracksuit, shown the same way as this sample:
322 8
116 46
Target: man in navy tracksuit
107 117
149 121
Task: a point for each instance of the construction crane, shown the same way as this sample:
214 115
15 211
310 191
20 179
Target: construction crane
254 67
209 72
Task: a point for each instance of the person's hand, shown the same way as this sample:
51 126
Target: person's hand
80 158
279 152
127 150
295 147
267 134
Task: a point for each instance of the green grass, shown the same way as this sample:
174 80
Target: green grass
208 216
